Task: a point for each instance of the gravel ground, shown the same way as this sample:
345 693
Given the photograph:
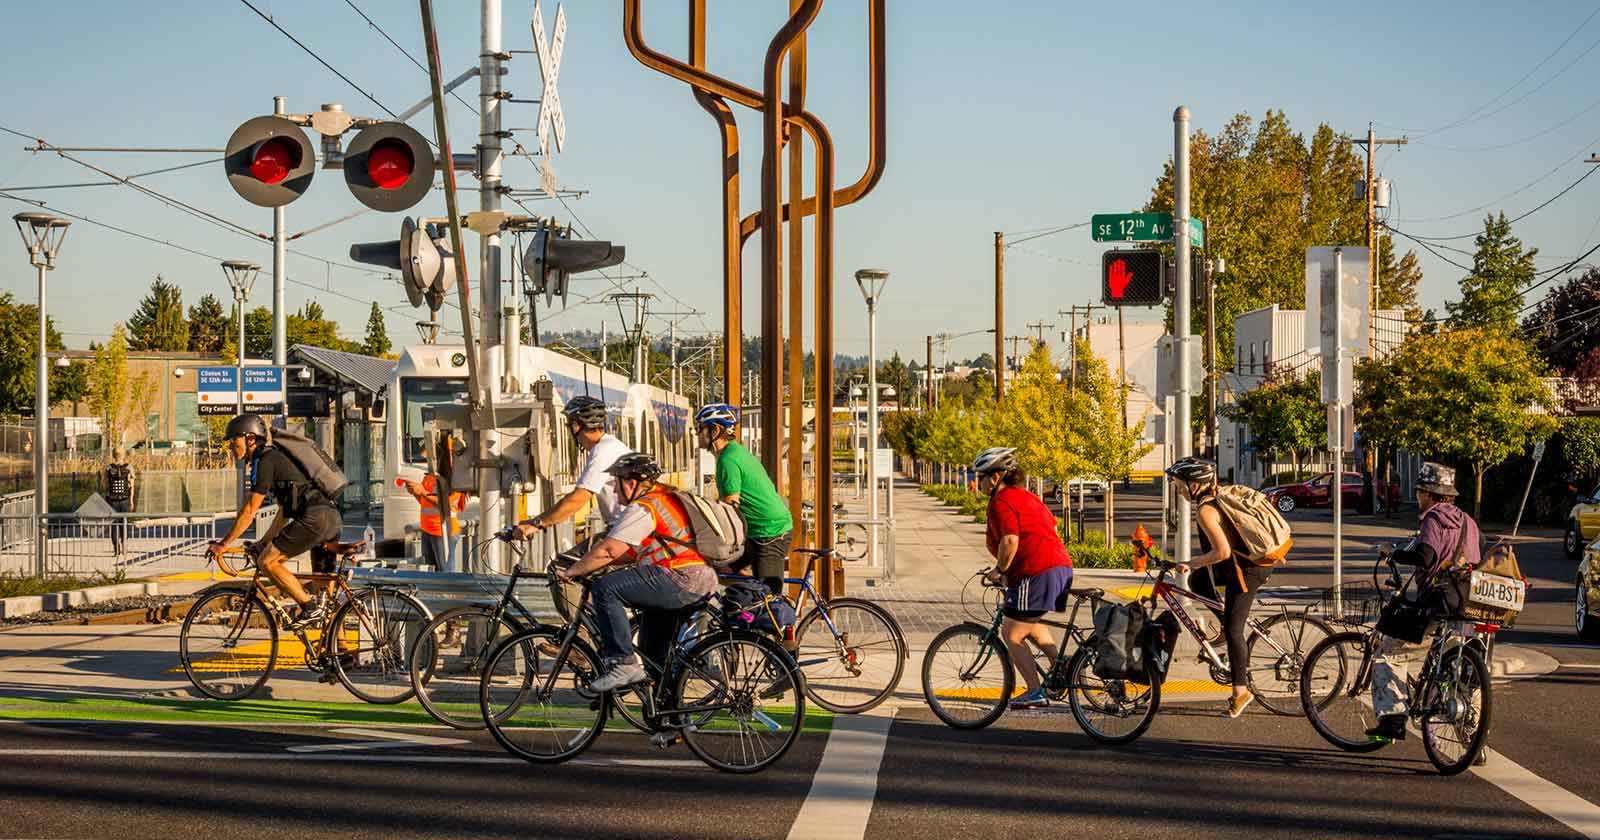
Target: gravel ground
118 605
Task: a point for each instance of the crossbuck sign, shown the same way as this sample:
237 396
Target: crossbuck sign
550 118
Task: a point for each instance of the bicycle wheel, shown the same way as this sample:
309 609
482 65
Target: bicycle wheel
1110 711
370 640
743 702
967 677
1277 654
1336 692
852 654
538 705
851 540
447 658
1457 697
228 643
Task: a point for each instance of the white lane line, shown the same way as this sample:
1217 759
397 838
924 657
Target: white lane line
367 758
389 741
1575 665
1556 802
846 782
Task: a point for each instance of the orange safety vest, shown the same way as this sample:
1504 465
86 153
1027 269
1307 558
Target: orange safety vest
430 520
665 547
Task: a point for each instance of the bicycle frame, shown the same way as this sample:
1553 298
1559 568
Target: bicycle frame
1170 594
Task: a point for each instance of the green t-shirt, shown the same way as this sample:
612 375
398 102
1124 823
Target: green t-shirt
765 514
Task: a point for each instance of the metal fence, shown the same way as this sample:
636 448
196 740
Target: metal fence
135 544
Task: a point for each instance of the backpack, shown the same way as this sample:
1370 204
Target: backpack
318 466
119 483
717 528
1117 629
1265 534
748 603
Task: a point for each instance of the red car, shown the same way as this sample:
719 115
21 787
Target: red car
1314 493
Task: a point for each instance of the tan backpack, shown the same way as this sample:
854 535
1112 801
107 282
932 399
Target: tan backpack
1265 534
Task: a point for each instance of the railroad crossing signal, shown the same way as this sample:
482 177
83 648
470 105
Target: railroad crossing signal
551 258
1132 278
389 166
419 256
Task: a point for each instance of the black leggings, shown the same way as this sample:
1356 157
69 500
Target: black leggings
1236 603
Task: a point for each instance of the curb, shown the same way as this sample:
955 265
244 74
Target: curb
56 601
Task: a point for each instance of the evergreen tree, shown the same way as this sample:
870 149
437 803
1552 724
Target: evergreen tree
1398 280
1492 294
377 342
158 323
209 325
19 343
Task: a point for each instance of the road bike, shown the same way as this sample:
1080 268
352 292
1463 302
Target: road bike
967 675
1450 694
735 698
1118 711
229 643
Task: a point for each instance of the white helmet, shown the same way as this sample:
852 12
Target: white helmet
995 459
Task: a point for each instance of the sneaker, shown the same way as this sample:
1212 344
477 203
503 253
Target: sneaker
623 673
1035 699
1236 705
1389 728
310 613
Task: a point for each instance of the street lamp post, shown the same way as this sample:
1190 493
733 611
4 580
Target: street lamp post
241 276
871 281
42 235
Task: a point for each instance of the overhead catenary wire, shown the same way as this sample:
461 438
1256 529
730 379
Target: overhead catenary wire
1546 203
161 171
320 60
403 51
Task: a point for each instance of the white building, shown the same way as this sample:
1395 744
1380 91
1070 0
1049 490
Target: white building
1139 349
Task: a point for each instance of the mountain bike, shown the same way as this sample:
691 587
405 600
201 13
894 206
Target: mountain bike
1115 711
1450 694
735 698
229 643
967 675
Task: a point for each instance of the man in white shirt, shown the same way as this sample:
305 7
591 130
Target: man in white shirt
586 419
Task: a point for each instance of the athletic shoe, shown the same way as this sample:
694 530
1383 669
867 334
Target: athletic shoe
311 612
1035 699
1389 728
623 673
1236 705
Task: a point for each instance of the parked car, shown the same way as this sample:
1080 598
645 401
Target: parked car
1586 605
1094 488
1314 493
1583 524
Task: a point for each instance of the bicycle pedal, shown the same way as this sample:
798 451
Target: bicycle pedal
663 740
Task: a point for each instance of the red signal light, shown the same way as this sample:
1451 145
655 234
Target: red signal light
273 159
390 164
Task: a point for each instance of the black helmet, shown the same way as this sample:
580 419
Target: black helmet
586 411
635 465
1193 469
246 424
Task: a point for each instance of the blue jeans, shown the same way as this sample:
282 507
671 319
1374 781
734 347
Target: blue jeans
652 591
433 552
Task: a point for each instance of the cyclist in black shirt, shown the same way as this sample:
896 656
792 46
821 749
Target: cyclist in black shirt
306 517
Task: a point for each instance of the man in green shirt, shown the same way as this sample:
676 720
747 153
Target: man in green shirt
742 482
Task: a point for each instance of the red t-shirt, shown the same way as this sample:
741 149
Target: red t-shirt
1014 510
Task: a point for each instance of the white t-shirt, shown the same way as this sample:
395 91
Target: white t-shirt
593 476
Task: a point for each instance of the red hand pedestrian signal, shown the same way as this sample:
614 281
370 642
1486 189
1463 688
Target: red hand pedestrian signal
1119 277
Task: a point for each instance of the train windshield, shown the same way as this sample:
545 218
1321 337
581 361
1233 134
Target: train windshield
416 393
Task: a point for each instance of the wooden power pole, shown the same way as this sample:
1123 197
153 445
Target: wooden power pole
999 315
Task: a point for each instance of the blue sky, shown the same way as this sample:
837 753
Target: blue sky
1006 116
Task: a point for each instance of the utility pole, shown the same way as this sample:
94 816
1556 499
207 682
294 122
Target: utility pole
1038 328
999 315
928 398
1016 341
1369 462
1072 337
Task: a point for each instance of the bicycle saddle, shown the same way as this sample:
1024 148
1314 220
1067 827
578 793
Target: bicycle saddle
344 549
1093 594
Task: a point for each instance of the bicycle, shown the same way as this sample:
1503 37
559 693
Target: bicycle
229 641
1451 693
1119 711
726 694
850 539
980 678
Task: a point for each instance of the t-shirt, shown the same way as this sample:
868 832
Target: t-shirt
634 527
275 474
593 477
1014 510
765 514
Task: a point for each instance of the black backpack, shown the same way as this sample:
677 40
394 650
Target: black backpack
748 604
119 483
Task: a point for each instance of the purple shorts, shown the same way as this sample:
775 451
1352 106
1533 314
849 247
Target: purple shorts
1045 592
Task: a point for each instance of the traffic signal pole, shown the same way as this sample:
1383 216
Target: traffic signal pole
1180 310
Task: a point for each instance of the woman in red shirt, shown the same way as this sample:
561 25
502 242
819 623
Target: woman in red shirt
1030 558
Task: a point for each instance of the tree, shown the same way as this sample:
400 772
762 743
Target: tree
257 335
19 347
1501 268
1580 444
1284 414
120 401
1266 194
1473 395
311 328
209 325
1036 417
377 342
1560 325
1110 446
895 374
1398 281
158 323
984 361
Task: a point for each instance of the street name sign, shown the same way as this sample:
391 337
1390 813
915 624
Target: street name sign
1141 227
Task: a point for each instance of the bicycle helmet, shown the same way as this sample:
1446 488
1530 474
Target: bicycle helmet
721 415
586 411
636 465
246 424
995 459
1193 469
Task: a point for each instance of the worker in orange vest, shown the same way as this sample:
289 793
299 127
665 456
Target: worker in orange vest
434 550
